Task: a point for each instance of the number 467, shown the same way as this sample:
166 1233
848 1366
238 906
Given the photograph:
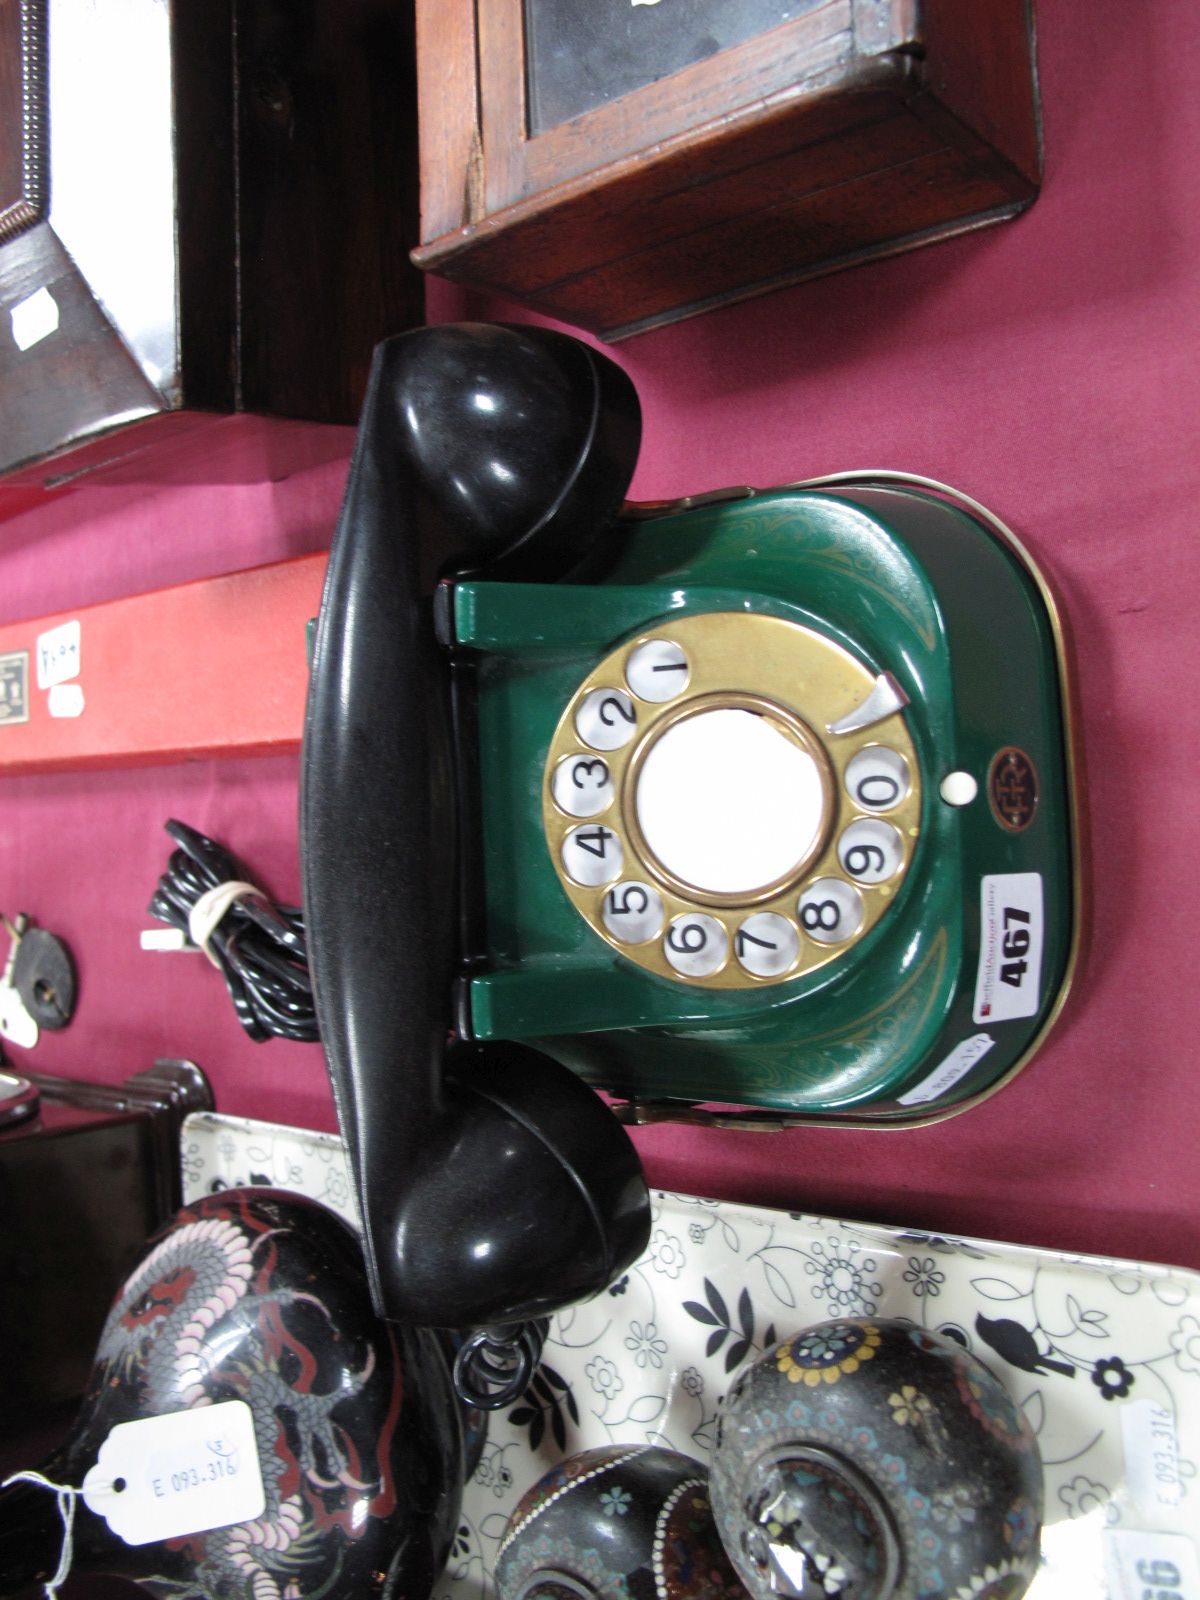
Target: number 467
1015 947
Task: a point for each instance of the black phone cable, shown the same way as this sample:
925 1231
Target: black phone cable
258 946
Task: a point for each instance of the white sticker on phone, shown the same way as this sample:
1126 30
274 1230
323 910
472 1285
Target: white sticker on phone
1008 983
1151 1449
944 1076
58 654
167 1477
1150 1564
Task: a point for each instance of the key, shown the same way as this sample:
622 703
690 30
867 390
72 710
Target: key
16 1024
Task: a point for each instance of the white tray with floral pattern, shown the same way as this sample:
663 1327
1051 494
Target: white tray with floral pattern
1104 1356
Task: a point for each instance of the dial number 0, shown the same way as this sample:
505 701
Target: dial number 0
877 778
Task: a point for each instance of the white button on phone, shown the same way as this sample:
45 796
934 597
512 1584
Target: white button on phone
657 671
766 944
582 785
831 910
593 856
696 945
870 850
633 912
606 719
877 778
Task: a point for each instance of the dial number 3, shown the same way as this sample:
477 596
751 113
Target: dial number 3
582 785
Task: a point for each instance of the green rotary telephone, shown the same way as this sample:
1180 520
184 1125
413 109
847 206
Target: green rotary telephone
753 808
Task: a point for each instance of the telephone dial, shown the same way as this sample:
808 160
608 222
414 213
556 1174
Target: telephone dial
750 808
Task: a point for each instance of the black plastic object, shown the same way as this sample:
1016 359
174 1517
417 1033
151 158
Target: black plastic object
521 443
494 1186
44 977
494 1366
86 1173
259 1296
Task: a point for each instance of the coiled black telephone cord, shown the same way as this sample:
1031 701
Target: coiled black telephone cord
258 946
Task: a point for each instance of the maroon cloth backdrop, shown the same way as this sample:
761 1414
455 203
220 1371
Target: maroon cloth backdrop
1049 368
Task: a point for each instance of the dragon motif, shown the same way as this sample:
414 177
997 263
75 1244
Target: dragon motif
167 1325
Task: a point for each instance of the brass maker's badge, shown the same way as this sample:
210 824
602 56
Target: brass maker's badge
1013 789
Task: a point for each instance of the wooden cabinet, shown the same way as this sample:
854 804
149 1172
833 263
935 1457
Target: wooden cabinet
622 163
203 207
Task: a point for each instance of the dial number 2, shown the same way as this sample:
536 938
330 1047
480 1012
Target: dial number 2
606 719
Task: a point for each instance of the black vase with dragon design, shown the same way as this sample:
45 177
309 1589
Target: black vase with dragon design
261 1296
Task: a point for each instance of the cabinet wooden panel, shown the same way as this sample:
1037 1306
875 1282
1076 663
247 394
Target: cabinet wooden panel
203 208
560 167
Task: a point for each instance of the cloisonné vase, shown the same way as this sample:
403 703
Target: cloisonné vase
868 1459
260 1296
619 1523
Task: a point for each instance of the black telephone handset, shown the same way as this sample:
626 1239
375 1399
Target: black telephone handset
494 1185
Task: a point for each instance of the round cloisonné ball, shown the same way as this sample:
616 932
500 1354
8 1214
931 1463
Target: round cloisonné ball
616 1524
873 1460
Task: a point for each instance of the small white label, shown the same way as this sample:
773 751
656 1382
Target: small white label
1009 981
58 654
1151 1454
1150 1566
944 1076
16 1025
34 319
66 700
167 1477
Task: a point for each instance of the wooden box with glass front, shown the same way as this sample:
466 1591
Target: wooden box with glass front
621 163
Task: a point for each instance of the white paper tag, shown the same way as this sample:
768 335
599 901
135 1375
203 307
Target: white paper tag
65 700
58 654
34 319
1008 983
1151 1448
1150 1566
944 1076
166 1477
